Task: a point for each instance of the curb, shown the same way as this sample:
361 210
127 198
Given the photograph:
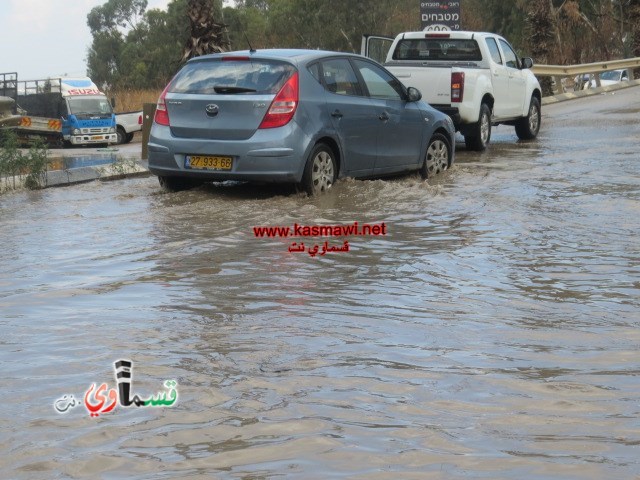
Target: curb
123 168
588 93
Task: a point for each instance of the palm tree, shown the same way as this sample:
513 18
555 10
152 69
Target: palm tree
207 35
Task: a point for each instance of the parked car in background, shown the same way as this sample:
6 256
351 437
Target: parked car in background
475 77
127 124
606 78
295 116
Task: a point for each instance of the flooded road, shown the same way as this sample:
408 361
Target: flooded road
492 333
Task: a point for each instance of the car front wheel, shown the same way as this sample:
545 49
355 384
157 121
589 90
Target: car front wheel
527 128
320 172
438 156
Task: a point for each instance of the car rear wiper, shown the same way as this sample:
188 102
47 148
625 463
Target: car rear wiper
225 89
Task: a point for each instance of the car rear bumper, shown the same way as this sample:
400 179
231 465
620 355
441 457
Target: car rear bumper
255 159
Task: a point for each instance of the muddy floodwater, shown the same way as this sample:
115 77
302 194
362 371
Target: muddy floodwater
493 332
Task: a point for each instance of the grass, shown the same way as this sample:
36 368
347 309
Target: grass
130 100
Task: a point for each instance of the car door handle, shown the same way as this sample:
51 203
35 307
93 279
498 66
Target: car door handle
384 116
337 114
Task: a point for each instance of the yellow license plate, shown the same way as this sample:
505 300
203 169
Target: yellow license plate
209 162
97 137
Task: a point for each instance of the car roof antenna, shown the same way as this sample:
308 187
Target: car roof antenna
251 49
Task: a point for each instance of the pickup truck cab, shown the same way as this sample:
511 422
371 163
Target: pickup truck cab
476 78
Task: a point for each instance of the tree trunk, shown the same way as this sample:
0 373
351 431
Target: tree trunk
207 35
540 28
634 21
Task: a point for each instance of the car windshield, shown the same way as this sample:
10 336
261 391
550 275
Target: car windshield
89 105
448 49
225 76
613 75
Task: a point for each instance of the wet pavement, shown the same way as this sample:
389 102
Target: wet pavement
492 333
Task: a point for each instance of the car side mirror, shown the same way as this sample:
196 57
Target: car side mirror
413 94
527 62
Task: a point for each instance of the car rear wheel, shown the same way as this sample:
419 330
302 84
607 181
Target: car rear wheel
480 134
122 135
527 128
320 172
176 184
438 156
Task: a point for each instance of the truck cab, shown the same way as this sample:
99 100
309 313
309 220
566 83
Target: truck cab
87 116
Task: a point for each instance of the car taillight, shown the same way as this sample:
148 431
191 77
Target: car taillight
284 105
162 115
457 87
139 119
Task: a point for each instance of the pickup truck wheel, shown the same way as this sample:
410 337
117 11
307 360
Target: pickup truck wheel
320 172
177 184
480 134
122 135
527 128
438 156
128 138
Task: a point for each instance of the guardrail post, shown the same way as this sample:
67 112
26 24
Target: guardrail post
148 111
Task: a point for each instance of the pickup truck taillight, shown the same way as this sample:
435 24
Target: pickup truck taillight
457 87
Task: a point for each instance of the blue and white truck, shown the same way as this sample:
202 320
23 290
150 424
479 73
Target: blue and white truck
70 111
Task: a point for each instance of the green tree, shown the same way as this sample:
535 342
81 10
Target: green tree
134 48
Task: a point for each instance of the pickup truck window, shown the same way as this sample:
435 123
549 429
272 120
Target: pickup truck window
446 49
510 56
494 50
379 83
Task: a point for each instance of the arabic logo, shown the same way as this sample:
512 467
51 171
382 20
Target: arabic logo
326 248
104 399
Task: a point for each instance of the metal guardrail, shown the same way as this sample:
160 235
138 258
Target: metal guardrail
558 72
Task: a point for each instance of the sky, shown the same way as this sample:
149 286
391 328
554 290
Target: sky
47 38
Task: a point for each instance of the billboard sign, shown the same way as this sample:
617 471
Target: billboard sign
438 16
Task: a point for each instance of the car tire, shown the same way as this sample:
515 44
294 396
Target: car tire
177 184
320 171
122 136
480 134
128 138
438 156
527 128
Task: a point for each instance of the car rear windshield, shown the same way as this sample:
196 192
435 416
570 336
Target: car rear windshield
449 49
235 76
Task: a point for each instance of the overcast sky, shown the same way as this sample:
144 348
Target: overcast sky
47 38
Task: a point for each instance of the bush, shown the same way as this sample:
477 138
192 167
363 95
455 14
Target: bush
17 166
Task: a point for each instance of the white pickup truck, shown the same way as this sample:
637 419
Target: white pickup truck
475 78
127 124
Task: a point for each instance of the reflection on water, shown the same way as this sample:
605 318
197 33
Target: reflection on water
77 161
493 333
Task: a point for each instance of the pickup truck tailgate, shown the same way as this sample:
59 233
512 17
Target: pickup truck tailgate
434 82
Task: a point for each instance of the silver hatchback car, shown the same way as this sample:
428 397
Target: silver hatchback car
298 116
